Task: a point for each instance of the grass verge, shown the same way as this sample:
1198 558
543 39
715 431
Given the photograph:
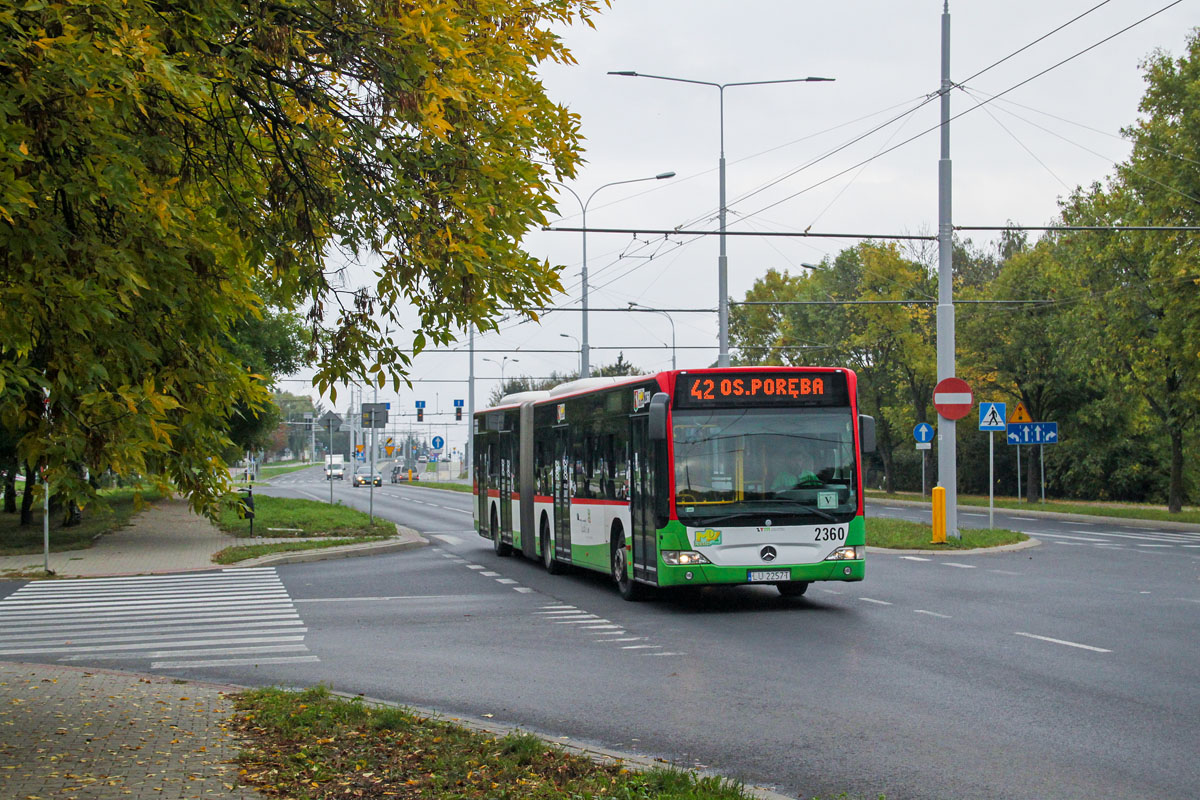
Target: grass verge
312 745
119 506
236 553
302 518
899 534
1092 508
271 472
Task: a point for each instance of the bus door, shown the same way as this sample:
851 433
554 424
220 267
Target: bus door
481 483
641 500
562 493
505 483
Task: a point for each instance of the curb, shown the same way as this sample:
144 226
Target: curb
575 746
1132 522
406 539
974 551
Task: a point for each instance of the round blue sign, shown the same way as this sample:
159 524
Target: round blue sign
923 432
438 443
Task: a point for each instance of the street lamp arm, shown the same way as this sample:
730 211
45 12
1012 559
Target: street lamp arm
809 79
627 73
660 176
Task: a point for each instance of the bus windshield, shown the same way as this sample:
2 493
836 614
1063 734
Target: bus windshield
791 465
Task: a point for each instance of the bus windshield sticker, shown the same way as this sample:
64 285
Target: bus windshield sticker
641 397
707 537
762 388
827 500
562 411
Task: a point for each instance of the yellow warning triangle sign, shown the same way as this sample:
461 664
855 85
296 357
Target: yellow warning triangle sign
390 449
1020 414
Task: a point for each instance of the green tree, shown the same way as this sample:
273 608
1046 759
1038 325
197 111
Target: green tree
169 169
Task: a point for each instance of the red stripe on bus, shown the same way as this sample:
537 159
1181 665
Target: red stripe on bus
583 501
493 492
543 498
515 495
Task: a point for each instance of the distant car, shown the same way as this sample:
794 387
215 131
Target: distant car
367 478
401 474
422 460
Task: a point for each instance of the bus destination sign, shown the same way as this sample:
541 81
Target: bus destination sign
779 388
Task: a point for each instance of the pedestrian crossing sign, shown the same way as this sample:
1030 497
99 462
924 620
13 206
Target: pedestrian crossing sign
1020 414
991 416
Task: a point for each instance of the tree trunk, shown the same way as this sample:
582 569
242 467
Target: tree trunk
10 487
885 455
27 497
1175 492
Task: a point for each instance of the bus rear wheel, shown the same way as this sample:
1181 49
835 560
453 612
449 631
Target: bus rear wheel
626 585
503 550
793 589
552 564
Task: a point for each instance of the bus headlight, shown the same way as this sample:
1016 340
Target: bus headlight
848 554
683 558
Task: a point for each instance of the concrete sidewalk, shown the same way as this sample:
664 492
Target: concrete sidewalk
168 537
69 733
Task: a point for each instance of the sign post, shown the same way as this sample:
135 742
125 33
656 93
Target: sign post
953 400
1039 433
923 433
991 419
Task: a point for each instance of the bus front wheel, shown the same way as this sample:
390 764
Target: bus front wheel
793 589
626 585
552 564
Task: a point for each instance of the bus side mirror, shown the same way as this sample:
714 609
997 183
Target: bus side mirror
866 433
658 416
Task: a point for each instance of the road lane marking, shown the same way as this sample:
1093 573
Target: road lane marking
1063 642
1155 545
629 639
1004 572
956 564
877 602
505 581
932 614
476 566
913 558
490 574
642 647
523 589
232 662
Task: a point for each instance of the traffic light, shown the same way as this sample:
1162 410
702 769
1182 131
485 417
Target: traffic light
458 414
420 415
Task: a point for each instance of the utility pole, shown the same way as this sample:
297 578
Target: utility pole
470 446
947 441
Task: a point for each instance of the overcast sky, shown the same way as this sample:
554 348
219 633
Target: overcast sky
1012 159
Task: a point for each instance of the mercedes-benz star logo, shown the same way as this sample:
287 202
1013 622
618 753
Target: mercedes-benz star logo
768 553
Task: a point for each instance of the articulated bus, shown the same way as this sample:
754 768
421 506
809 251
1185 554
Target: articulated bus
745 475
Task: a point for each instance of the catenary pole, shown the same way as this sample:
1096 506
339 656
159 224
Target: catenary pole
947 442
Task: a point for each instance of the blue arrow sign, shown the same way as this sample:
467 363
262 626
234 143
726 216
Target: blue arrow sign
420 404
923 432
458 403
991 416
438 443
1032 433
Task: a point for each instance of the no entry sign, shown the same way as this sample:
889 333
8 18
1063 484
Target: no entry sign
952 398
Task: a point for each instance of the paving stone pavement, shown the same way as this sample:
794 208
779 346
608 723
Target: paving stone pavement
69 733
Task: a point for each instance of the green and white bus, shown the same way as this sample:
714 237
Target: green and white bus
747 475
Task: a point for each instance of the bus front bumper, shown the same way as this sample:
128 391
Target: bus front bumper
710 574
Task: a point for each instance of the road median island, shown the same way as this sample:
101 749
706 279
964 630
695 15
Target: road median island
314 744
308 524
898 534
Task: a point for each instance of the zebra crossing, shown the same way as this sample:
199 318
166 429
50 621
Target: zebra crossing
212 619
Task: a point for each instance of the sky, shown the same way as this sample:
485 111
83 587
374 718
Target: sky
1013 158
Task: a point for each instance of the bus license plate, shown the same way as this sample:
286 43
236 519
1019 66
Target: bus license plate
768 575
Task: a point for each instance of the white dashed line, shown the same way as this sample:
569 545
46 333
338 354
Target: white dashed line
956 564
1062 641
476 566
602 627
630 639
877 602
642 647
1155 545
505 581
1004 572
523 589
932 614
913 558
490 574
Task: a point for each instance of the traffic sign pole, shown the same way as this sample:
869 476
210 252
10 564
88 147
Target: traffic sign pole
991 479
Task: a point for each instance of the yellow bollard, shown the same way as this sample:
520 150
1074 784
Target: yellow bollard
939 515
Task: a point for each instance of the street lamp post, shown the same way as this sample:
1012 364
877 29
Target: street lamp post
501 364
722 258
639 307
577 347
584 366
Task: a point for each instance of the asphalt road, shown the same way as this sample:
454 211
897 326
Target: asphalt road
1069 670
